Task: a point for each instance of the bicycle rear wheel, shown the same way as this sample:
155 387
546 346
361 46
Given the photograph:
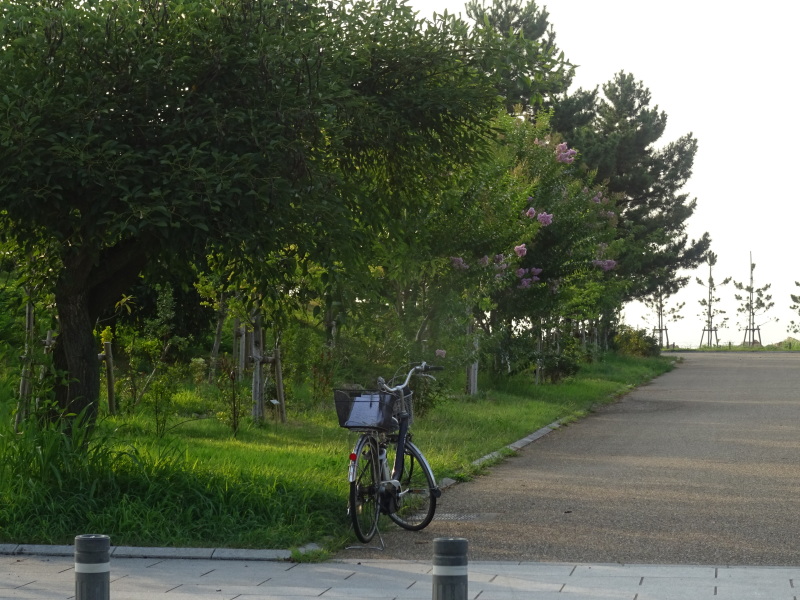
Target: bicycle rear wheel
363 506
416 503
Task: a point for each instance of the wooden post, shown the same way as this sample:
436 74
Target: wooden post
24 402
109 358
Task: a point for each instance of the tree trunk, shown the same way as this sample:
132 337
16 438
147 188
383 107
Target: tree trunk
222 315
472 368
257 354
279 381
88 284
75 354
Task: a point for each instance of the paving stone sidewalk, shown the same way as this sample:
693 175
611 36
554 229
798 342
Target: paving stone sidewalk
40 577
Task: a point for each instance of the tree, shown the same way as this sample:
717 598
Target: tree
795 327
620 144
532 69
710 311
144 132
657 302
755 302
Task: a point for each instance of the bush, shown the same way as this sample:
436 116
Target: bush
635 342
556 366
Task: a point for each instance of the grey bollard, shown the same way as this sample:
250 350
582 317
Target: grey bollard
92 567
450 569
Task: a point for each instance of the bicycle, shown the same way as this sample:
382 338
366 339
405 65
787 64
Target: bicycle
408 492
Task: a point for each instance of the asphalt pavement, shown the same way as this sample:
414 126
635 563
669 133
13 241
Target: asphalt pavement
686 488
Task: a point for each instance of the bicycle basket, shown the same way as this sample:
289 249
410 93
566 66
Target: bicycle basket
398 407
364 410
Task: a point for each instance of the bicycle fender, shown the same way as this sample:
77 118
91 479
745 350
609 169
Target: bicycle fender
351 470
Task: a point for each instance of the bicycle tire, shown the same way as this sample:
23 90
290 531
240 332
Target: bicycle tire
364 508
416 503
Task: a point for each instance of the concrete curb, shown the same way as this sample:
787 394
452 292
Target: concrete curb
248 554
498 454
253 554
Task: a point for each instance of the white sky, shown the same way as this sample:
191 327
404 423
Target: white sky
724 71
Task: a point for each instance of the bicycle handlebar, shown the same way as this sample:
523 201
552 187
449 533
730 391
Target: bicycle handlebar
421 368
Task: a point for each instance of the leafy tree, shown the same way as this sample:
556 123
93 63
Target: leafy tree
755 302
532 69
710 311
620 144
155 132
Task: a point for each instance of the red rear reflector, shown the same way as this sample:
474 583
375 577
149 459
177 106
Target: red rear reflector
353 456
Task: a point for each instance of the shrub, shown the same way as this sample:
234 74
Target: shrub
635 342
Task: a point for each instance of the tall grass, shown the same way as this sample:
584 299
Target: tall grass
275 486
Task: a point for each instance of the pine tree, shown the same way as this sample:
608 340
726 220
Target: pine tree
534 70
708 304
647 181
755 302
657 302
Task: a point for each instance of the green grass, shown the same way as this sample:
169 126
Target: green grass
788 345
277 486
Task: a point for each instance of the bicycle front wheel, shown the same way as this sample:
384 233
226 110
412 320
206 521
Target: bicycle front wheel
364 507
418 492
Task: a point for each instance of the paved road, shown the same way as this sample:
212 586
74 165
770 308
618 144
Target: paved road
702 467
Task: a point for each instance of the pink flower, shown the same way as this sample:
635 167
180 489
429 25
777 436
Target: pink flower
606 265
545 219
521 273
564 154
484 261
531 212
521 250
441 353
525 283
